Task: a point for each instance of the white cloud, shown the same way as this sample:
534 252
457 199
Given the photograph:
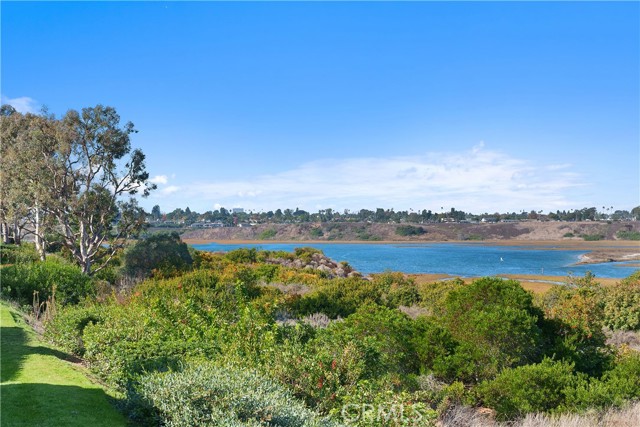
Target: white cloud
169 190
159 179
22 104
476 180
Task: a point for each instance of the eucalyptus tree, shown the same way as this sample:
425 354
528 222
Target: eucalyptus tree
94 173
10 124
27 142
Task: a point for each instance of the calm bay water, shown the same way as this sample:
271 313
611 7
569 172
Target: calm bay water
450 258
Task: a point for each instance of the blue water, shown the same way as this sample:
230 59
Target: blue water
456 259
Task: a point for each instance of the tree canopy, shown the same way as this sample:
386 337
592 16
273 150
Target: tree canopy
73 178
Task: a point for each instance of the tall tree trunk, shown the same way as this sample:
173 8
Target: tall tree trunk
85 259
40 245
86 265
17 238
4 230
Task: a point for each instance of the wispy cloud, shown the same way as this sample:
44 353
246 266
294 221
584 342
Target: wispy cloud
22 104
169 190
476 180
164 190
159 179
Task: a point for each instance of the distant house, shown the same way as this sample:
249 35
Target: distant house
489 219
207 224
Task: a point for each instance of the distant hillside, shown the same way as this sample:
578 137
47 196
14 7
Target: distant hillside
343 231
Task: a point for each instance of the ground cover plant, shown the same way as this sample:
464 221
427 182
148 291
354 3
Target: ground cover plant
233 337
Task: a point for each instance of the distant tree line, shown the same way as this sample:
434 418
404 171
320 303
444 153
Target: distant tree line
228 217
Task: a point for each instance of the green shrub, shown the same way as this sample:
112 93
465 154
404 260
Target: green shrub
20 281
15 254
540 387
475 237
207 395
628 235
160 254
163 322
316 232
579 304
592 237
434 345
338 298
306 253
496 324
569 234
397 289
129 342
322 371
364 235
199 314
371 344
573 324
243 255
268 234
267 272
622 304
378 404
433 296
66 328
410 230
616 387
385 333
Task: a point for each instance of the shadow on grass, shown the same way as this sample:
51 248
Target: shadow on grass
37 404
46 405
15 349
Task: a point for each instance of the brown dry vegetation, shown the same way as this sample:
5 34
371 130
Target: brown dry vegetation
470 417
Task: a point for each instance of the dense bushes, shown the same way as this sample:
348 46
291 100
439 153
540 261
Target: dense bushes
66 329
320 372
208 395
628 235
410 230
622 304
162 253
592 237
13 254
268 234
496 326
434 346
338 298
532 388
554 386
480 343
21 280
573 323
383 334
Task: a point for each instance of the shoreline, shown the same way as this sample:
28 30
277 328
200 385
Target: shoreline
536 283
601 251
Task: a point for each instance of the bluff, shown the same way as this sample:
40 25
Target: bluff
431 232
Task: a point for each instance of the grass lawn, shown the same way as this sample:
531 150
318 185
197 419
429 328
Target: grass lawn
40 388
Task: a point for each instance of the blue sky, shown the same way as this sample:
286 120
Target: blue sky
346 105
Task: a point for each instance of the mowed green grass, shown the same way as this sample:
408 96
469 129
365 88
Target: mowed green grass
40 388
